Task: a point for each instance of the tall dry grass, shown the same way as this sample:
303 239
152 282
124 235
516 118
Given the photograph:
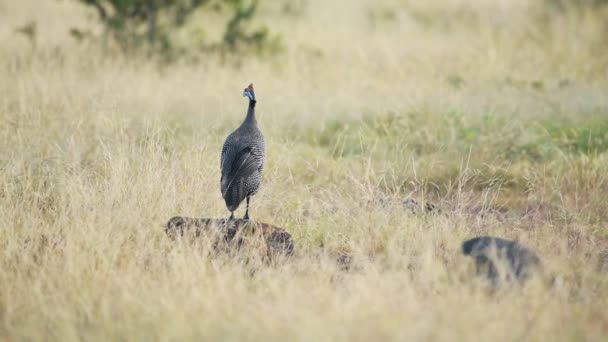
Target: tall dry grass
495 110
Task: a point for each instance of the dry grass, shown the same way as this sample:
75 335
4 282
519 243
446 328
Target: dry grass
496 110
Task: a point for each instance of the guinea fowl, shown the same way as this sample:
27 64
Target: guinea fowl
242 160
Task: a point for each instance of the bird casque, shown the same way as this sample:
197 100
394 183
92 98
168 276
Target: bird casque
242 161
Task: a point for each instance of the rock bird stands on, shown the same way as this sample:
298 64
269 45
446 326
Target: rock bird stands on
242 160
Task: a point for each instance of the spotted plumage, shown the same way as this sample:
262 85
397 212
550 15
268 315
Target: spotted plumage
242 161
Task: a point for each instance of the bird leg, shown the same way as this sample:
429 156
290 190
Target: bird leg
246 217
231 216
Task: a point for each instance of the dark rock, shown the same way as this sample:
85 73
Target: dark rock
501 259
233 235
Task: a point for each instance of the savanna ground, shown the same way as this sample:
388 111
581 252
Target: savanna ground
496 111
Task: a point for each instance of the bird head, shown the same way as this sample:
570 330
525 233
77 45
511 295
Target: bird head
249 92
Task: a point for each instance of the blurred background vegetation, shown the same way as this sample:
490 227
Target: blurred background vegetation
518 84
177 29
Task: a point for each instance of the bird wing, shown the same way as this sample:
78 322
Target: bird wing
225 152
243 164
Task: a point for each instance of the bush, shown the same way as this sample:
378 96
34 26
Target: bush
136 24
